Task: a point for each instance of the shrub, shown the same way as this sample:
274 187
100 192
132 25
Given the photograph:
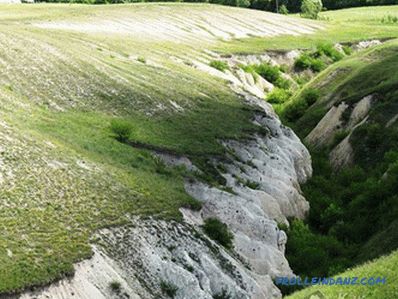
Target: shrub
310 96
311 8
122 129
295 110
218 231
219 65
282 83
306 61
242 3
168 289
268 72
339 137
347 50
283 10
329 50
389 19
223 295
278 96
252 185
115 286
141 59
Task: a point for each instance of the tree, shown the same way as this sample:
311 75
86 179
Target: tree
311 8
283 10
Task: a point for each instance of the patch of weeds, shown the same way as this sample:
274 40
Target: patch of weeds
224 294
346 115
295 110
338 137
115 286
306 61
252 185
221 168
228 189
189 268
347 50
141 59
389 19
310 96
219 232
278 96
122 129
284 68
194 205
249 69
193 256
328 50
219 65
168 289
160 166
302 78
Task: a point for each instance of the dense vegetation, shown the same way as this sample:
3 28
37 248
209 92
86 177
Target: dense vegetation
353 215
284 6
218 231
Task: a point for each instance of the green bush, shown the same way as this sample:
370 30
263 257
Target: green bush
278 96
168 289
115 286
223 295
310 95
312 254
329 50
269 72
306 61
283 10
141 59
241 3
122 129
347 50
389 19
339 137
295 110
252 185
311 8
218 231
219 65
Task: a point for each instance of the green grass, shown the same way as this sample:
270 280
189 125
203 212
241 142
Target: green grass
368 72
64 175
343 26
382 267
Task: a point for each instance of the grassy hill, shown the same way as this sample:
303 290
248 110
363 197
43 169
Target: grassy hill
67 71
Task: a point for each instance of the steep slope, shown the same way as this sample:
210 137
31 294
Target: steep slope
70 190
352 133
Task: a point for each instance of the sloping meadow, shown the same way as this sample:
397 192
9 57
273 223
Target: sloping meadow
63 174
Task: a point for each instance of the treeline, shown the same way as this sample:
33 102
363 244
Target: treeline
269 5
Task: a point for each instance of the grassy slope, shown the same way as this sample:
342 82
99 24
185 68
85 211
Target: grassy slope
63 175
344 26
382 267
372 71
